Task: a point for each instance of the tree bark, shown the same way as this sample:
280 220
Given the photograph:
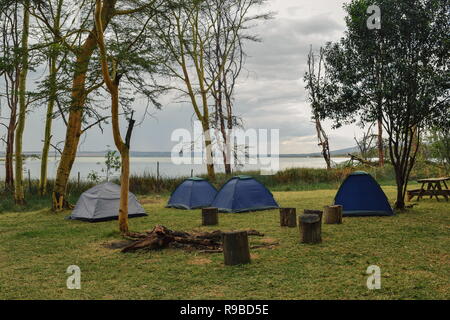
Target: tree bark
235 248
19 195
380 144
124 189
48 128
323 142
208 150
210 216
230 125
319 213
333 214
9 155
73 131
310 227
400 201
288 217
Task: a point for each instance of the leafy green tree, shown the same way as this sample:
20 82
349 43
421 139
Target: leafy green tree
439 145
398 73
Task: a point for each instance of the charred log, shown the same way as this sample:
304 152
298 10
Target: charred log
161 237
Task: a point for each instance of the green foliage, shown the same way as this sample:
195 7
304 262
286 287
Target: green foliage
439 146
112 163
93 176
398 74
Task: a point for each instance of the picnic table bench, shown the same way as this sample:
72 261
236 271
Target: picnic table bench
435 187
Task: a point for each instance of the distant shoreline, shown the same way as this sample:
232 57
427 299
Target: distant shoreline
101 155
341 153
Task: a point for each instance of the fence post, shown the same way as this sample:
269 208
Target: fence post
29 181
157 176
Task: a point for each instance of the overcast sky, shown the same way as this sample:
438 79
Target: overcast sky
270 93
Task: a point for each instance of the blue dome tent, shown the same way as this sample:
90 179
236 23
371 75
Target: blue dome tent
242 194
193 193
361 195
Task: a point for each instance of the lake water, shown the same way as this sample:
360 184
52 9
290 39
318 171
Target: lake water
167 168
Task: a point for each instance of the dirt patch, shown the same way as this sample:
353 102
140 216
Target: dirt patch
199 261
254 256
216 291
269 241
117 244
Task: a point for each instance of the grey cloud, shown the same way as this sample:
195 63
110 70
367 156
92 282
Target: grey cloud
270 94
285 45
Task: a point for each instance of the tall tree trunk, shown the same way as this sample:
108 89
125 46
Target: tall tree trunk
230 125
48 127
124 187
73 131
380 143
9 156
220 122
19 192
323 142
221 83
123 147
124 151
400 201
226 148
208 150
51 104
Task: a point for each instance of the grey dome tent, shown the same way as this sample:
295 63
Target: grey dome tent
101 203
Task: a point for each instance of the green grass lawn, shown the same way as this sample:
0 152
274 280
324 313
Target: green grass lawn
412 249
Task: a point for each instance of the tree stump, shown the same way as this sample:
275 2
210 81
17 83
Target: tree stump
316 212
235 248
333 214
210 216
310 228
288 217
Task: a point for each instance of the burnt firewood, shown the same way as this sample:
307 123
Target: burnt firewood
161 237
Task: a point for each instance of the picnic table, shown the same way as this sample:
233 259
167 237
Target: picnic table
435 187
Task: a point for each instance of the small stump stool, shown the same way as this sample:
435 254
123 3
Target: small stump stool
310 228
235 248
333 214
288 217
210 216
316 212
